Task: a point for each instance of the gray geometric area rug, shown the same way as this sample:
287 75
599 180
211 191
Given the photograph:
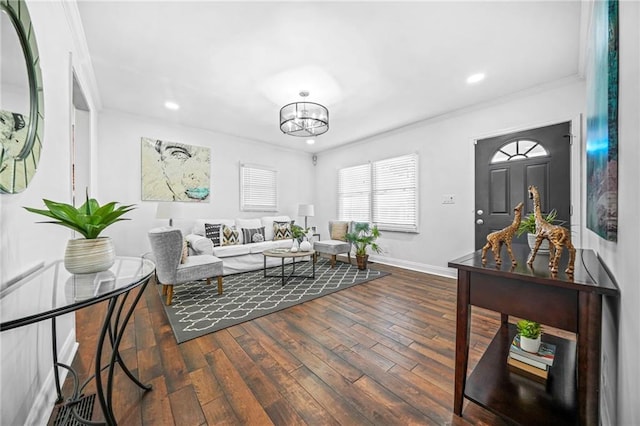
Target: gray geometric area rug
197 309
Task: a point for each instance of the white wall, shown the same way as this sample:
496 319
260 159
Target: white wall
622 257
25 357
446 158
119 175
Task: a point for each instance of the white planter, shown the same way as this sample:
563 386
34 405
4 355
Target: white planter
85 286
305 245
84 256
544 246
530 345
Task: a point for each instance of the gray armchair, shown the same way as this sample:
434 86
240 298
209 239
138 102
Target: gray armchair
336 244
166 245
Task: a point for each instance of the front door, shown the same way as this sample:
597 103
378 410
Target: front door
505 167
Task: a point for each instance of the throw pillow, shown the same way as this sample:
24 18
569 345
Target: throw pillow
230 236
282 231
185 252
254 235
212 231
339 230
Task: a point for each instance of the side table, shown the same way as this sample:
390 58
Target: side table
69 293
568 302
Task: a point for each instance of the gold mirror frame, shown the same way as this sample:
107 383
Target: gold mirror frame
17 172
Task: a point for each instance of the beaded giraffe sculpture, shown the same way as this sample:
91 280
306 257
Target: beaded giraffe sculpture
503 236
557 235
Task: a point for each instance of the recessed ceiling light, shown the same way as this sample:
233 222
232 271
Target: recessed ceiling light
310 141
475 78
171 105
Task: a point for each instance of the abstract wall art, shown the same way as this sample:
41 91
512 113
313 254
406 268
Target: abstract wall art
174 171
602 121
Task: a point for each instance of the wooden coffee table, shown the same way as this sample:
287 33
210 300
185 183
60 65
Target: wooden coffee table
287 254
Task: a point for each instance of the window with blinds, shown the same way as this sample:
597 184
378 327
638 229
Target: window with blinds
395 193
354 193
384 192
258 189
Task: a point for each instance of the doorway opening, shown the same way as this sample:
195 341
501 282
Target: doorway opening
80 144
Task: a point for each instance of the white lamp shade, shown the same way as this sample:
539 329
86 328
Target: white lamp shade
166 210
305 210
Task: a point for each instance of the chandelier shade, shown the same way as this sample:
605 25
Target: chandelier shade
304 118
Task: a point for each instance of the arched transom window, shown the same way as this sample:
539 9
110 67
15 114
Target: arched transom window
519 150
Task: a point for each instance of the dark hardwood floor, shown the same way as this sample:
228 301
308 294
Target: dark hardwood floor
378 353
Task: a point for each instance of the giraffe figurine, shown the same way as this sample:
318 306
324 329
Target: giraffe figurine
557 235
503 236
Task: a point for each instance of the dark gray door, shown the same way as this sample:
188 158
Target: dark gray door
505 167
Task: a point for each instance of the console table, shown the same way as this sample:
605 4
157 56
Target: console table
572 303
53 292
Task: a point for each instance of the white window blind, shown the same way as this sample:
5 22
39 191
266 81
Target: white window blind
258 188
354 193
384 193
395 193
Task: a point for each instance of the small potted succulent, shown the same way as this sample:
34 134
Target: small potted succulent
363 237
91 253
530 332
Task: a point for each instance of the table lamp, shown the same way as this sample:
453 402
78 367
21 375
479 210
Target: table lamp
166 210
305 210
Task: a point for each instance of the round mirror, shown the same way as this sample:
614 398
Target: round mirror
21 98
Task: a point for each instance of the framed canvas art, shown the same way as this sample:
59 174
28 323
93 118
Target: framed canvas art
174 171
602 121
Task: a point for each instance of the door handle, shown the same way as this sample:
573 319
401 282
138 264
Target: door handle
479 221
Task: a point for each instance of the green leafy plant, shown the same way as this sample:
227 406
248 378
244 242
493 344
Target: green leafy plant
528 223
298 232
364 237
529 329
90 219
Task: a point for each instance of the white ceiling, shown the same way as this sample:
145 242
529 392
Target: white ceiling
231 66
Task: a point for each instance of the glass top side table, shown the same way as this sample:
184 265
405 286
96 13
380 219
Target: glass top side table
52 291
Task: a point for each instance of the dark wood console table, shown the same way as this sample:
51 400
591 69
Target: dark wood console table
572 303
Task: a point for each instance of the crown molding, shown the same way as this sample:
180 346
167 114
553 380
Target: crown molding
524 93
81 59
586 10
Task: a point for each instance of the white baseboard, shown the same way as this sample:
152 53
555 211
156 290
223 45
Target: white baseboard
415 266
45 400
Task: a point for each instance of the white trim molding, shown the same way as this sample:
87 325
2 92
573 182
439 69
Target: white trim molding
416 266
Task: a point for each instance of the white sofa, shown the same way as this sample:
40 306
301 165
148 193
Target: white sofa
241 257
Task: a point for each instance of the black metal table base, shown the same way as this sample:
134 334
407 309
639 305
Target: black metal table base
113 327
287 278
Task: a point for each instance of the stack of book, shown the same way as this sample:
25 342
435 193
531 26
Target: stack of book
532 365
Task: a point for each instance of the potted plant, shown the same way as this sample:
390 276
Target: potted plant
91 253
528 225
298 232
530 332
299 238
363 237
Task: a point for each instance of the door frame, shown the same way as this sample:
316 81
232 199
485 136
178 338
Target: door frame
576 156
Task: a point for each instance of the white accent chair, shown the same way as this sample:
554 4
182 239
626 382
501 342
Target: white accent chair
335 245
166 245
